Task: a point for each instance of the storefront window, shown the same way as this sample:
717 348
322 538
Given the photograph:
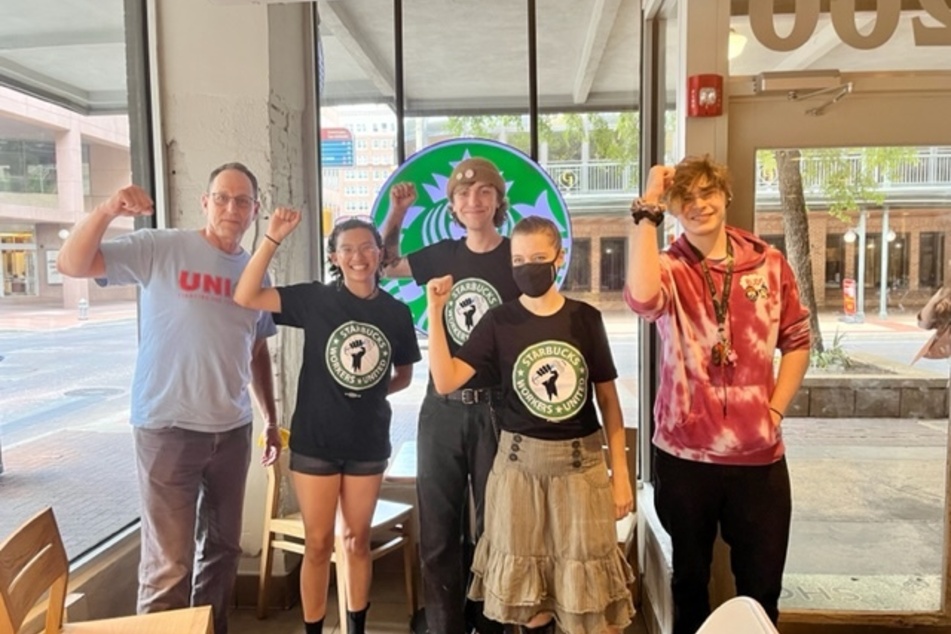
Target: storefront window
67 346
867 435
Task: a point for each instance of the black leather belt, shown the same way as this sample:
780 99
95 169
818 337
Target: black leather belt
471 396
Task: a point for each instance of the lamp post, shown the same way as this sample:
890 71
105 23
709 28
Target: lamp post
887 237
860 277
850 237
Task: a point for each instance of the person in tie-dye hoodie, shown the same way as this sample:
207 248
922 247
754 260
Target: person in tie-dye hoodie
723 301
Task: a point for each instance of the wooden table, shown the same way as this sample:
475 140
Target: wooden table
184 621
402 469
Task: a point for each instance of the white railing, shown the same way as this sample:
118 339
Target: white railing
926 170
593 177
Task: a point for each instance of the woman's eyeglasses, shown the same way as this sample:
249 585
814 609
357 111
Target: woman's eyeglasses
366 219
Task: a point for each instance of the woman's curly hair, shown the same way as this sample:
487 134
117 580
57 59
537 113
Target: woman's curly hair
347 225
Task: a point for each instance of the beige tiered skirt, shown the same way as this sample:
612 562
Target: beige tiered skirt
550 542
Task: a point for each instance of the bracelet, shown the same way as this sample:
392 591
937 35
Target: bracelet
651 211
777 412
276 243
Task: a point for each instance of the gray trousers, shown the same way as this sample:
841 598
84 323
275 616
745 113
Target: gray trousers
191 486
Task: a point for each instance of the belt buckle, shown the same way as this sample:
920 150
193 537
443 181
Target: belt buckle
469 396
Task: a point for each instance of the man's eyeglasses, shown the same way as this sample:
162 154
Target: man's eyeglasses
241 202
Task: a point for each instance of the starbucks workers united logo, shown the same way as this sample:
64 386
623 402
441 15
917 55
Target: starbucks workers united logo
529 189
551 380
358 355
469 299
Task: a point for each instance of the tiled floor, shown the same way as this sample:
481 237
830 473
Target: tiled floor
388 610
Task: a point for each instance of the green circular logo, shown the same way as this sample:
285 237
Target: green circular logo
551 380
529 189
469 299
358 355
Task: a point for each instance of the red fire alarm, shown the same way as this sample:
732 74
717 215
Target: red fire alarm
704 95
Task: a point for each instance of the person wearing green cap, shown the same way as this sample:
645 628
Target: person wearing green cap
457 435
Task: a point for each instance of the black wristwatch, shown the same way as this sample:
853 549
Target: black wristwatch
651 211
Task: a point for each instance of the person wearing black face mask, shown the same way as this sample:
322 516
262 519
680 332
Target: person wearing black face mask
551 356
534 278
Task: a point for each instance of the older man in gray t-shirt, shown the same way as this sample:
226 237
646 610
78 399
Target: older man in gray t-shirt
191 411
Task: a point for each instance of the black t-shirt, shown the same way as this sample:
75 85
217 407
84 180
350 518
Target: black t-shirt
480 281
547 367
350 346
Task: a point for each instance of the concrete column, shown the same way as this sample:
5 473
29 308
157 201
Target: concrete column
703 40
69 186
914 262
109 170
235 83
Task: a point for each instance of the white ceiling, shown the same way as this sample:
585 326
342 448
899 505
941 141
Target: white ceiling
70 50
458 54
475 54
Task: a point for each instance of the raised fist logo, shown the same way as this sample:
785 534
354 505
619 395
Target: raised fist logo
356 349
547 375
468 307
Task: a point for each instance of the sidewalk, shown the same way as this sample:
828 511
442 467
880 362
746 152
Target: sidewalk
48 315
625 322
39 314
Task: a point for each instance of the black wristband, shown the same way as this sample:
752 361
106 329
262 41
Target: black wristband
276 243
641 210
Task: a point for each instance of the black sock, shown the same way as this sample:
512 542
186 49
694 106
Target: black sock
317 627
357 621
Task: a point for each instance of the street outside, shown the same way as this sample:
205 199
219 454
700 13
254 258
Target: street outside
860 486
73 374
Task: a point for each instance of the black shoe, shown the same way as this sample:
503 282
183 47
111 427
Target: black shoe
417 624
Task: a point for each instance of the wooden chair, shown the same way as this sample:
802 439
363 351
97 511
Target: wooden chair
33 561
627 526
392 528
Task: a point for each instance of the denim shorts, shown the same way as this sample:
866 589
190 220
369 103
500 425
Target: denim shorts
320 467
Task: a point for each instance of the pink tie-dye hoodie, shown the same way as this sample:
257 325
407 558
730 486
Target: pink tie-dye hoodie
720 414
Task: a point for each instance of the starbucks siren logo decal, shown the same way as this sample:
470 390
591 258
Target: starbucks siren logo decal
551 380
358 355
529 189
469 299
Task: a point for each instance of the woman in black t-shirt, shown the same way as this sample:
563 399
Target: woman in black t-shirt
549 551
359 347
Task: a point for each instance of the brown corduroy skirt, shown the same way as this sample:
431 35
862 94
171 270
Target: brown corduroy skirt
550 542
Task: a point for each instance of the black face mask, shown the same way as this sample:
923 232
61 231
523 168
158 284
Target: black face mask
534 278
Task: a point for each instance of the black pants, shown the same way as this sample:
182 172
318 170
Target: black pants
456 446
752 506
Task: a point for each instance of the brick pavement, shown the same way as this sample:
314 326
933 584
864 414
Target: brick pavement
86 475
